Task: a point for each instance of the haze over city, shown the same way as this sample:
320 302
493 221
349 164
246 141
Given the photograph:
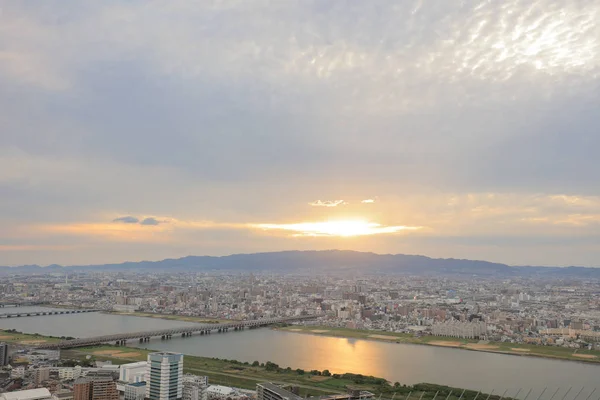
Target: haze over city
145 130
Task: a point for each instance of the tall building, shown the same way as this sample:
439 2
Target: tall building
99 385
164 377
3 354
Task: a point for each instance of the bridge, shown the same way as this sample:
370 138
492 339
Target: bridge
41 313
22 303
203 329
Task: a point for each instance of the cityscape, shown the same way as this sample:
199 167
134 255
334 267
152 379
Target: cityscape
545 318
299 200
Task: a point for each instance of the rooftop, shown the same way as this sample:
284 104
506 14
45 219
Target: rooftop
218 389
280 391
137 384
31 394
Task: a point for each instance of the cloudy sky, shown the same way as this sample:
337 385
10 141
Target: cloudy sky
134 130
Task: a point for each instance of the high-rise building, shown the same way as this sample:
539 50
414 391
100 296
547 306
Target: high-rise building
164 377
3 354
99 385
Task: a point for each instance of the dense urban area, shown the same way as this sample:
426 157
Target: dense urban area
471 313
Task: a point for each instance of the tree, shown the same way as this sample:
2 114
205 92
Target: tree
255 364
271 366
396 385
326 372
300 371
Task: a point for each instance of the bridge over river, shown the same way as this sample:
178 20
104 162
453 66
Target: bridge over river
202 329
17 314
22 303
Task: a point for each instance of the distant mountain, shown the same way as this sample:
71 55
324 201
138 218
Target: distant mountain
327 261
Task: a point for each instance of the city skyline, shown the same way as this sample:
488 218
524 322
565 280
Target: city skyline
144 131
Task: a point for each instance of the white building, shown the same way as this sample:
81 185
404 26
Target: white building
135 391
218 392
32 394
133 372
194 387
17 372
69 374
164 376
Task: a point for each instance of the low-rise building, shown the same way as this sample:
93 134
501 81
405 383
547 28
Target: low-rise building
31 394
135 391
133 372
195 387
69 374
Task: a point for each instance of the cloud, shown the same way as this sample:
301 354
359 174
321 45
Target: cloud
476 114
127 220
327 203
368 201
150 221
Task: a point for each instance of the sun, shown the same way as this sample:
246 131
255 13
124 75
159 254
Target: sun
340 228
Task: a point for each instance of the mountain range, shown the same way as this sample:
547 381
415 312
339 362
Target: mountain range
323 262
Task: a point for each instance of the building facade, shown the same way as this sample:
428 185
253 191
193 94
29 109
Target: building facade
69 374
194 387
133 372
164 377
42 374
96 386
135 391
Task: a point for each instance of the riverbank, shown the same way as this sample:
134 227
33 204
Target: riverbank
15 337
246 375
170 317
515 349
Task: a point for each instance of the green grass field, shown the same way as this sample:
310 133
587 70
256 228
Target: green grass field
505 348
24 338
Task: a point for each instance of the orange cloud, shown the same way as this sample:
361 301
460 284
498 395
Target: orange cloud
111 231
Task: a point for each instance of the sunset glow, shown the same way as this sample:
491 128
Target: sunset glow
343 228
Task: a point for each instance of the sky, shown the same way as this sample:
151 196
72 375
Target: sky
142 130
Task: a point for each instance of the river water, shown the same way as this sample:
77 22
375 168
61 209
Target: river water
403 363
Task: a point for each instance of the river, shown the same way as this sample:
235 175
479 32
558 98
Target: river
404 363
